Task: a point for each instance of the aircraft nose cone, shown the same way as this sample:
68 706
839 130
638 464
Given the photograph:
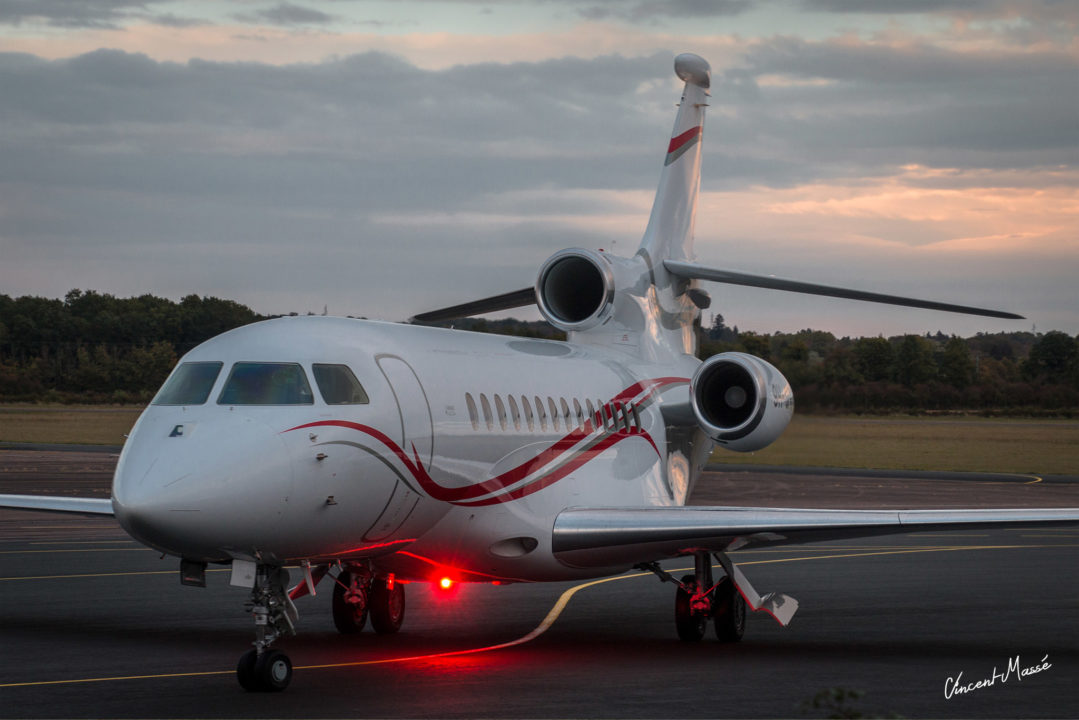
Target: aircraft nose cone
198 492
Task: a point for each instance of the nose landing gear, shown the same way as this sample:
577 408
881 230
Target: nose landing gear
262 669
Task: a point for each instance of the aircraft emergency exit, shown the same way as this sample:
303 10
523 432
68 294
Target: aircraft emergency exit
374 453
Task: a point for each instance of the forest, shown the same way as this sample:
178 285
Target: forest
93 347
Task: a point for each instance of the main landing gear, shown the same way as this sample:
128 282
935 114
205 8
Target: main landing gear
359 593
263 669
699 600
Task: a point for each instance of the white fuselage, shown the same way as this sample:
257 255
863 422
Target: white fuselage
467 448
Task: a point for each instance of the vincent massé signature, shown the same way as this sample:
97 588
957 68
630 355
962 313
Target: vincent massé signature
1015 671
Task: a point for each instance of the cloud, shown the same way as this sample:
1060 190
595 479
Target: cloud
62 13
660 10
286 14
381 187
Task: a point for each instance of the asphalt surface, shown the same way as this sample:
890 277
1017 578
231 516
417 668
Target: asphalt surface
93 625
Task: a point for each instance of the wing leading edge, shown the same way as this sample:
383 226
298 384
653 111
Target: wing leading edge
612 537
82 506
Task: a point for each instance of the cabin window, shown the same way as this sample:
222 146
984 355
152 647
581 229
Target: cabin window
565 412
591 414
473 413
636 418
338 385
542 414
527 407
261 383
501 408
514 413
554 413
487 417
578 412
190 384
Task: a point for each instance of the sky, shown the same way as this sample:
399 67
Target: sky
380 159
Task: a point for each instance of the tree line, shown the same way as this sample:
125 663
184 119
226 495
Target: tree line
94 347
1002 373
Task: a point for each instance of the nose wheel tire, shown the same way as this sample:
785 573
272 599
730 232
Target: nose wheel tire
349 605
387 607
690 625
269 672
245 671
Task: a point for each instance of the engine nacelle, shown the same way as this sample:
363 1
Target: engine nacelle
740 401
575 289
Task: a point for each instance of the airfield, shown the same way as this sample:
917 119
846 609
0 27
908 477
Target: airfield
92 624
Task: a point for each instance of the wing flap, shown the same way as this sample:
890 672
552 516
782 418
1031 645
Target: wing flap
613 537
691 270
51 503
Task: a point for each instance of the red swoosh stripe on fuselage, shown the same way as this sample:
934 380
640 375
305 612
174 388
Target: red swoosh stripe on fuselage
470 494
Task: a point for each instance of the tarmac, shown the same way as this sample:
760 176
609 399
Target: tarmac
92 624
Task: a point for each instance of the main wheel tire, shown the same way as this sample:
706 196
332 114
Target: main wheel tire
245 671
690 626
387 607
729 612
273 670
348 618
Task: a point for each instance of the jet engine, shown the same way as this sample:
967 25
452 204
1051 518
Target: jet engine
575 289
740 401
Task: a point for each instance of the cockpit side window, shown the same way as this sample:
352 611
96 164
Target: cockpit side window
190 384
338 385
261 383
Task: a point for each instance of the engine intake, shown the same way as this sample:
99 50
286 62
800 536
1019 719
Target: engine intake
575 289
740 401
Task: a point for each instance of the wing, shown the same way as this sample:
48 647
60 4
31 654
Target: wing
700 272
612 537
506 301
83 506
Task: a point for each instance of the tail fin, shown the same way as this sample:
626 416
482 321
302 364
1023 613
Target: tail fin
669 235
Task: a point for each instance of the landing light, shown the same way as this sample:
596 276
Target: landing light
445 583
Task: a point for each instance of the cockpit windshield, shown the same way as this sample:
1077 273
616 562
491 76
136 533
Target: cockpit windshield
338 385
262 383
190 384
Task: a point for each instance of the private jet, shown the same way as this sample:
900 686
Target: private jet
379 454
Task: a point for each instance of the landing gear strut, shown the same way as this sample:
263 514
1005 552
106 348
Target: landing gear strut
262 669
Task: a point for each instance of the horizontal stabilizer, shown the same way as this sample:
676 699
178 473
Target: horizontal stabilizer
612 537
82 506
505 301
694 271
